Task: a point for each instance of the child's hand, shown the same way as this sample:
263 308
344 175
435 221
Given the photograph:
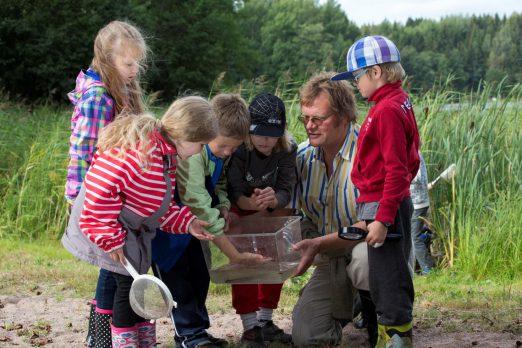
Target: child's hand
197 229
255 205
249 259
266 196
223 212
117 256
376 234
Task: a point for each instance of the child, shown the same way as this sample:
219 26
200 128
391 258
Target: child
108 87
128 186
261 176
202 187
386 161
421 204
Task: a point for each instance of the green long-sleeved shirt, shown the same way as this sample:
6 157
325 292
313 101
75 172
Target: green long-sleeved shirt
190 177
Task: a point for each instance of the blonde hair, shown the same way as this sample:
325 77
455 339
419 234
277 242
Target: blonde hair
392 71
187 119
284 143
232 115
339 93
110 41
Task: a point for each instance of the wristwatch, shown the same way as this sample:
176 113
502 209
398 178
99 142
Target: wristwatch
387 224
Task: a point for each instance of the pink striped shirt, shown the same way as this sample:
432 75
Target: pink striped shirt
114 182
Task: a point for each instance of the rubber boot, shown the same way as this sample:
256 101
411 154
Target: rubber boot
146 334
399 336
124 337
90 340
369 317
102 327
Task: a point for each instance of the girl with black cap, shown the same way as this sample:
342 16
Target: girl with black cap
261 176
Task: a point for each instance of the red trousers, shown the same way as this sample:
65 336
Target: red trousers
248 298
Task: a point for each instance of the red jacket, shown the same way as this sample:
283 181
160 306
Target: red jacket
387 156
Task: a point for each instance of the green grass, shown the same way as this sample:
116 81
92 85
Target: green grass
475 217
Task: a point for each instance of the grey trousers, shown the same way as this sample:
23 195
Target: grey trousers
420 250
312 321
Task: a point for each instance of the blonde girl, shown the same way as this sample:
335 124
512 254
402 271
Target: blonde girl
130 184
108 88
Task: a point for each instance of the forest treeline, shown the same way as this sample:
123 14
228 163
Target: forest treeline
43 44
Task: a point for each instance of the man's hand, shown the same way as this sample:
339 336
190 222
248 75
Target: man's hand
197 229
308 248
117 256
376 234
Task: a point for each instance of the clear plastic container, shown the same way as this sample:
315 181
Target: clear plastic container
271 237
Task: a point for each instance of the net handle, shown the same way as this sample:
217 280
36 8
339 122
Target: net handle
129 268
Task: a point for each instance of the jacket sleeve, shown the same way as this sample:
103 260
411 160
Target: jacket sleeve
107 178
193 193
221 190
237 185
177 219
286 177
392 135
93 113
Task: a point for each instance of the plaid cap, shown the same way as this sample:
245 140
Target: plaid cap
368 51
267 115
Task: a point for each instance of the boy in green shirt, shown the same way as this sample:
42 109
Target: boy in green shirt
201 184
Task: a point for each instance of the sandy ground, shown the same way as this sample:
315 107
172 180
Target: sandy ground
41 321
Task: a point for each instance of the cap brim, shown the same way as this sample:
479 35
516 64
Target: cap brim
342 76
268 131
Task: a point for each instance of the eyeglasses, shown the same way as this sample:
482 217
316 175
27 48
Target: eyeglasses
316 120
360 74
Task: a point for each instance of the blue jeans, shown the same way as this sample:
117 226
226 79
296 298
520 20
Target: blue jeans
105 289
420 249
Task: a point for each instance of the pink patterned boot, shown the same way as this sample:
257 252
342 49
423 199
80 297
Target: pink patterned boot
124 337
146 334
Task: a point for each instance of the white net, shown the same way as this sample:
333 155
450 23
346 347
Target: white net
148 299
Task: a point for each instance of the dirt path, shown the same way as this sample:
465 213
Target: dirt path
38 320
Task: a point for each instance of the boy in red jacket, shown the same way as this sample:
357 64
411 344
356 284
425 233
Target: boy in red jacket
386 162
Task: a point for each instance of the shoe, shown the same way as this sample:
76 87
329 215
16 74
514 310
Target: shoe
397 341
146 334
272 333
252 338
395 336
217 341
359 323
200 340
124 337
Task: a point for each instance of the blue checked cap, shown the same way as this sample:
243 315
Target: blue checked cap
368 51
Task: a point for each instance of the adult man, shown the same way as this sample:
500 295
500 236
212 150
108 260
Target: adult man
326 195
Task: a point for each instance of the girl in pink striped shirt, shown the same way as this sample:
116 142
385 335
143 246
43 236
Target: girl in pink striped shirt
128 193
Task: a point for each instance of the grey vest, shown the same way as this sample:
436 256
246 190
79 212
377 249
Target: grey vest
140 231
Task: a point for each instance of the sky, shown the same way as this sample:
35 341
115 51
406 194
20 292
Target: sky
375 11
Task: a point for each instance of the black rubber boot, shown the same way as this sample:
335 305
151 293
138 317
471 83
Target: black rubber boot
90 340
369 316
103 330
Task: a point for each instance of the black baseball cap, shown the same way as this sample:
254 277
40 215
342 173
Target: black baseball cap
267 115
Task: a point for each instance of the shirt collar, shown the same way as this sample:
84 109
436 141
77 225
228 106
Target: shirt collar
211 156
344 151
165 147
382 91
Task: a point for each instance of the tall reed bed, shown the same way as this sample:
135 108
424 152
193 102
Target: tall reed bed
476 217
